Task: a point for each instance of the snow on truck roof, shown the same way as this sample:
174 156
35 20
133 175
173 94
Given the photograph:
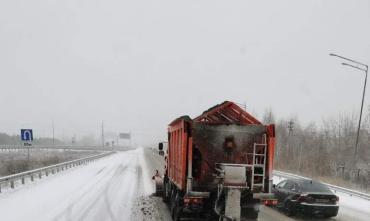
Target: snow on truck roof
225 113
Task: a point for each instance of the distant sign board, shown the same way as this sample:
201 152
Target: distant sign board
124 136
26 135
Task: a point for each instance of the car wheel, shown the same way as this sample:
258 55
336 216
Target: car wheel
330 216
289 208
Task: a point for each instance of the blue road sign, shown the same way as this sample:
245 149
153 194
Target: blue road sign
26 135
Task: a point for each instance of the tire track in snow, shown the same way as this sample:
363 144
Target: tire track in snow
104 190
81 196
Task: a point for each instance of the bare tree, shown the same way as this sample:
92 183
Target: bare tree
324 152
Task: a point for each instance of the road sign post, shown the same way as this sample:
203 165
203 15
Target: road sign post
27 138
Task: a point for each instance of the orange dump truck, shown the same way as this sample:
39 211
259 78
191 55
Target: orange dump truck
218 165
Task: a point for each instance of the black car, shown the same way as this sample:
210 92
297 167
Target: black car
307 197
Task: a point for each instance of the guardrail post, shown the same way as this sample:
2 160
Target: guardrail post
32 178
47 173
52 171
12 184
22 180
40 175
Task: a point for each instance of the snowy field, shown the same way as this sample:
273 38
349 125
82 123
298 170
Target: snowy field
118 187
16 161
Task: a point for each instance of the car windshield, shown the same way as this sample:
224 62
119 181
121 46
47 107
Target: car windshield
313 187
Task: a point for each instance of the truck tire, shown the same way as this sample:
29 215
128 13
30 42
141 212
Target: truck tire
173 202
212 216
249 214
166 192
176 208
249 206
252 214
177 212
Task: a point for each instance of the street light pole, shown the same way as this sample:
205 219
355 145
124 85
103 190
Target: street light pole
365 68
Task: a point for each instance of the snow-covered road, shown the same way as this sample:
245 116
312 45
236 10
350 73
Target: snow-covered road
104 190
118 188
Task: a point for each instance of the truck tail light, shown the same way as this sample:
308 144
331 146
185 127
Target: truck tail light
270 202
193 200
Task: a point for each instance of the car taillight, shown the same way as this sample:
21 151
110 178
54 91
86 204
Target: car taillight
305 198
334 200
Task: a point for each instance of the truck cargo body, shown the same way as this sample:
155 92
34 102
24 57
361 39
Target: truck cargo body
223 150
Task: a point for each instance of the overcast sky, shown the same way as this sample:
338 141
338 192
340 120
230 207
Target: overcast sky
139 64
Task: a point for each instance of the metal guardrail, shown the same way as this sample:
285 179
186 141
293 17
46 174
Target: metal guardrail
333 187
46 170
64 147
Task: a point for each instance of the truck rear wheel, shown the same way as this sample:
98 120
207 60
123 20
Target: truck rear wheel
177 212
249 214
173 194
176 208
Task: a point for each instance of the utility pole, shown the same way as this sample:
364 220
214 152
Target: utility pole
52 124
290 127
130 139
102 134
365 68
290 132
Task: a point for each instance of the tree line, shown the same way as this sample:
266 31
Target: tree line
6 139
324 151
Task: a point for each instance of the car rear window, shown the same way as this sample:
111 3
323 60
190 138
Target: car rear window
314 187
